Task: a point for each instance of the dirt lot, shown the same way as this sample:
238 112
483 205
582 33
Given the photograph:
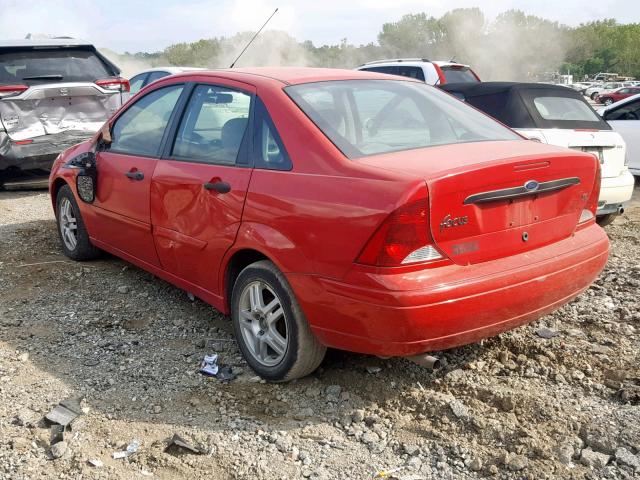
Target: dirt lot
515 406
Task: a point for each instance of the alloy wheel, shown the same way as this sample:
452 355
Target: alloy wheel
263 323
68 224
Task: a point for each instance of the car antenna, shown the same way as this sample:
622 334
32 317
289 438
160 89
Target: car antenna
253 38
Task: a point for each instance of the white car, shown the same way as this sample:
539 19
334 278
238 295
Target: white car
624 118
142 79
559 116
433 72
594 91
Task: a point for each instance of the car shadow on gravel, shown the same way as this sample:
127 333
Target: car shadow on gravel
132 344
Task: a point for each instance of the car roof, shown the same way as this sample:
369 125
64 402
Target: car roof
46 42
490 88
293 75
411 62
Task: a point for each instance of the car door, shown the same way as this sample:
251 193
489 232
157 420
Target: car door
125 169
199 186
625 119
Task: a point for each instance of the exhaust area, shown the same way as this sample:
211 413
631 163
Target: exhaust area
427 361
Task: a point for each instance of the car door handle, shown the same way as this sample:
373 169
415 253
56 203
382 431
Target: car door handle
219 186
135 175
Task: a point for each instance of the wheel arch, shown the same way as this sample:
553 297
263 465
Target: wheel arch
57 184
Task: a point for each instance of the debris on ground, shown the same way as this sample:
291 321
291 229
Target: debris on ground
209 365
128 451
65 412
179 444
546 333
515 406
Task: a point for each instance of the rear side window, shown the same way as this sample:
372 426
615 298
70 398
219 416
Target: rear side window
39 66
388 70
455 74
139 130
269 151
411 72
563 108
213 125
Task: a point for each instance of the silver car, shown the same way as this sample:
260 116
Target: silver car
54 93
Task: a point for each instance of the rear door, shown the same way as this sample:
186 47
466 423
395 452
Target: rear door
65 90
199 186
625 119
121 210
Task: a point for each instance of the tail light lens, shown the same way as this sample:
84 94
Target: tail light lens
591 206
117 84
11 90
403 238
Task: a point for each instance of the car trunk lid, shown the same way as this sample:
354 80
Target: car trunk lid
48 109
480 208
606 145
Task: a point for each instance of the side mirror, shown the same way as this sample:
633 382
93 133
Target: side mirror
87 176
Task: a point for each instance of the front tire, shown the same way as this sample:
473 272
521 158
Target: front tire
593 96
270 327
607 101
73 234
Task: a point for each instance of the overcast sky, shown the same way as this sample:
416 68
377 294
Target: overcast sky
151 25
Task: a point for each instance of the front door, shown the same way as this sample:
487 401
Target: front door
121 214
199 187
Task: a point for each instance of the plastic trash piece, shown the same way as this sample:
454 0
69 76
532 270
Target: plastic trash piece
209 365
130 450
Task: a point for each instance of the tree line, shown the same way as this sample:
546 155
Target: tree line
513 46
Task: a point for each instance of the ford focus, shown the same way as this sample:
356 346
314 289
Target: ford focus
330 208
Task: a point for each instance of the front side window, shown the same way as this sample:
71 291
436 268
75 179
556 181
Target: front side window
564 108
139 130
368 117
213 125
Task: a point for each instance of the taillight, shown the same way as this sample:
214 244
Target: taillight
591 206
117 84
404 237
11 90
441 78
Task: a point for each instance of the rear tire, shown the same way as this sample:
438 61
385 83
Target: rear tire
604 220
270 327
593 96
73 234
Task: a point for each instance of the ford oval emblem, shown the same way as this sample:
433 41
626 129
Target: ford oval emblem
531 185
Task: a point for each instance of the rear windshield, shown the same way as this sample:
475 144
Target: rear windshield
455 74
41 66
368 117
563 108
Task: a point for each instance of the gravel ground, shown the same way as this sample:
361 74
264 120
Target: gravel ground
514 406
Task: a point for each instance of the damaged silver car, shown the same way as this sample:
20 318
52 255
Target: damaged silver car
54 93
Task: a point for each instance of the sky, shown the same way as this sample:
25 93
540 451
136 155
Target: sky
151 25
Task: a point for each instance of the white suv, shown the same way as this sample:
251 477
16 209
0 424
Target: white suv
432 72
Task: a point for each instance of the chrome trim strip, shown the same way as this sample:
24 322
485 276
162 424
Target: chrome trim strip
516 192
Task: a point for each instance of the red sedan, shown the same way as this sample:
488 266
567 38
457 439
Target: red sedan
612 96
328 208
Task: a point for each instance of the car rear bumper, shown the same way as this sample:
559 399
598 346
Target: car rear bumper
614 191
39 154
434 309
